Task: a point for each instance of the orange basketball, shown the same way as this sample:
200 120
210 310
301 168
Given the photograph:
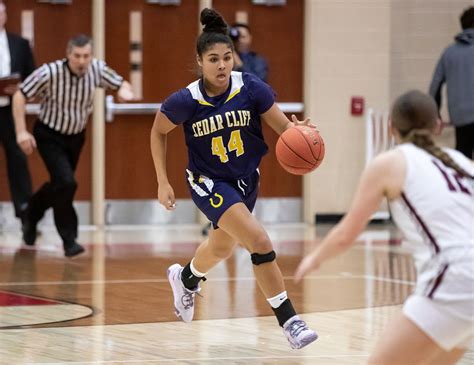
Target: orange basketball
300 150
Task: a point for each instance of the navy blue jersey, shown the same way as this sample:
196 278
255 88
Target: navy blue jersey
223 133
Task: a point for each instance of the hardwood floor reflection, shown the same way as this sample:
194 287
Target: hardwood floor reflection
115 304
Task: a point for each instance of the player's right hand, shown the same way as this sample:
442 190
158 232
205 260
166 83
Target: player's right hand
166 196
26 141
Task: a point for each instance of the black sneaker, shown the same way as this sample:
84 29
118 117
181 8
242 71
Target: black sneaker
29 231
72 249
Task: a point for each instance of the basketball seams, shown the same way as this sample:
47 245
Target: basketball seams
291 160
306 140
295 167
296 154
320 141
321 149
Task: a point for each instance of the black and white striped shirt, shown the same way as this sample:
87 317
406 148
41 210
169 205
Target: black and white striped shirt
66 99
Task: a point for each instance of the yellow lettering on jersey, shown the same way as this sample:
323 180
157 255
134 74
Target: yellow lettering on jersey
199 128
218 149
212 125
234 118
220 122
228 116
205 126
235 143
247 117
240 121
194 130
219 203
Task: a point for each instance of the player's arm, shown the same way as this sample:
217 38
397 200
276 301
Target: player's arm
278 121
383 177
158 142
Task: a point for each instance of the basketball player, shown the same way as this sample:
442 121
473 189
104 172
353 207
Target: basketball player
430 192
221 115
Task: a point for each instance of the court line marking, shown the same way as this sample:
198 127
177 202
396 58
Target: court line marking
343 275
198 359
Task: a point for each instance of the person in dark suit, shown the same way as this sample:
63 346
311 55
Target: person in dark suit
15 57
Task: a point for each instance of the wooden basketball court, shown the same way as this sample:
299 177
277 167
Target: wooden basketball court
114 305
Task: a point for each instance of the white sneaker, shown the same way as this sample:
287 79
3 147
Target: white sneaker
183 297
298 333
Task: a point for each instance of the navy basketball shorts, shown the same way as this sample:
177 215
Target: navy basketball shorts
214 196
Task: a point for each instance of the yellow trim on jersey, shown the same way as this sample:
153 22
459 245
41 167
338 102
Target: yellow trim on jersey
221 200
232 95
204 102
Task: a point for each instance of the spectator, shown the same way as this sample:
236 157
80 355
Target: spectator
15 57
245 59
456 69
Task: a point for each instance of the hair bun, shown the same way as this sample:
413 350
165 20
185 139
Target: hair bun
213 22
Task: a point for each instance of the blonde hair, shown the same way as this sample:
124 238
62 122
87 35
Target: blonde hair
415 115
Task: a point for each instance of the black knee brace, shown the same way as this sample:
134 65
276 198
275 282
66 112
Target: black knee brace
258 258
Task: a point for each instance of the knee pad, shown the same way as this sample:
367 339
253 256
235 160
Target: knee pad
258 258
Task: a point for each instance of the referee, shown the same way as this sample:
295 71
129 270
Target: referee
66 89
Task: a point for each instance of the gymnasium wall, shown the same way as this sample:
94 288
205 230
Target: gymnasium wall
321 52
373 48
168 44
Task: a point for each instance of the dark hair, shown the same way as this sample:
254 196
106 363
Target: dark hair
79 40
415 115
467 18
214 31
234 32
242 25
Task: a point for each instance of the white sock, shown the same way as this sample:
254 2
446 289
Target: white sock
195 272
277 300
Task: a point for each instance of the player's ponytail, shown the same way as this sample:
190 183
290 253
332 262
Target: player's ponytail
423 139
215 30
414 115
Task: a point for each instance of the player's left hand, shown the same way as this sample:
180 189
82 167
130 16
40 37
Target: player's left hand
305 122
166 196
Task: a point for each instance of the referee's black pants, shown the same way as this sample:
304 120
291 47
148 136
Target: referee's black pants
60 153
19 179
